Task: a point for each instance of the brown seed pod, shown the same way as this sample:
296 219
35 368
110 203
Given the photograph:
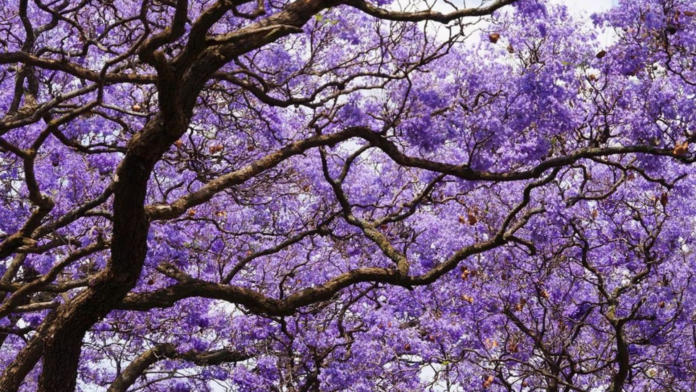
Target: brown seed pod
601 54
681 149
664 198
488 381
510 49
494 37
471 218
520 305
513 347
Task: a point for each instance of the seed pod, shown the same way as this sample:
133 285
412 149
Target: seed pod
494 37
488 381
179 144
136 107
601 54
513 347
471 218
664 198
520 305
510 49
681 149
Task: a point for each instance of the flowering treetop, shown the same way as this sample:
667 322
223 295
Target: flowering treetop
346 195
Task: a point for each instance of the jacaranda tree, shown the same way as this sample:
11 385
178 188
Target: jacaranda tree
332 195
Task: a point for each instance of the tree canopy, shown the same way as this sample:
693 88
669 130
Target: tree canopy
356 195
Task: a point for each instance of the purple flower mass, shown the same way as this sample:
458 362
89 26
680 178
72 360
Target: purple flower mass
356 195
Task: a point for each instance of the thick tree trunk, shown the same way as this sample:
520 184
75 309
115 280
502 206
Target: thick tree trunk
13 376
128 250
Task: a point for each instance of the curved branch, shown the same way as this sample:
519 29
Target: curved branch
419 16
168 351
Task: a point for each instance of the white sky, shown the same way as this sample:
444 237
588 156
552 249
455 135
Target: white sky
575 5
587 5
582 9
